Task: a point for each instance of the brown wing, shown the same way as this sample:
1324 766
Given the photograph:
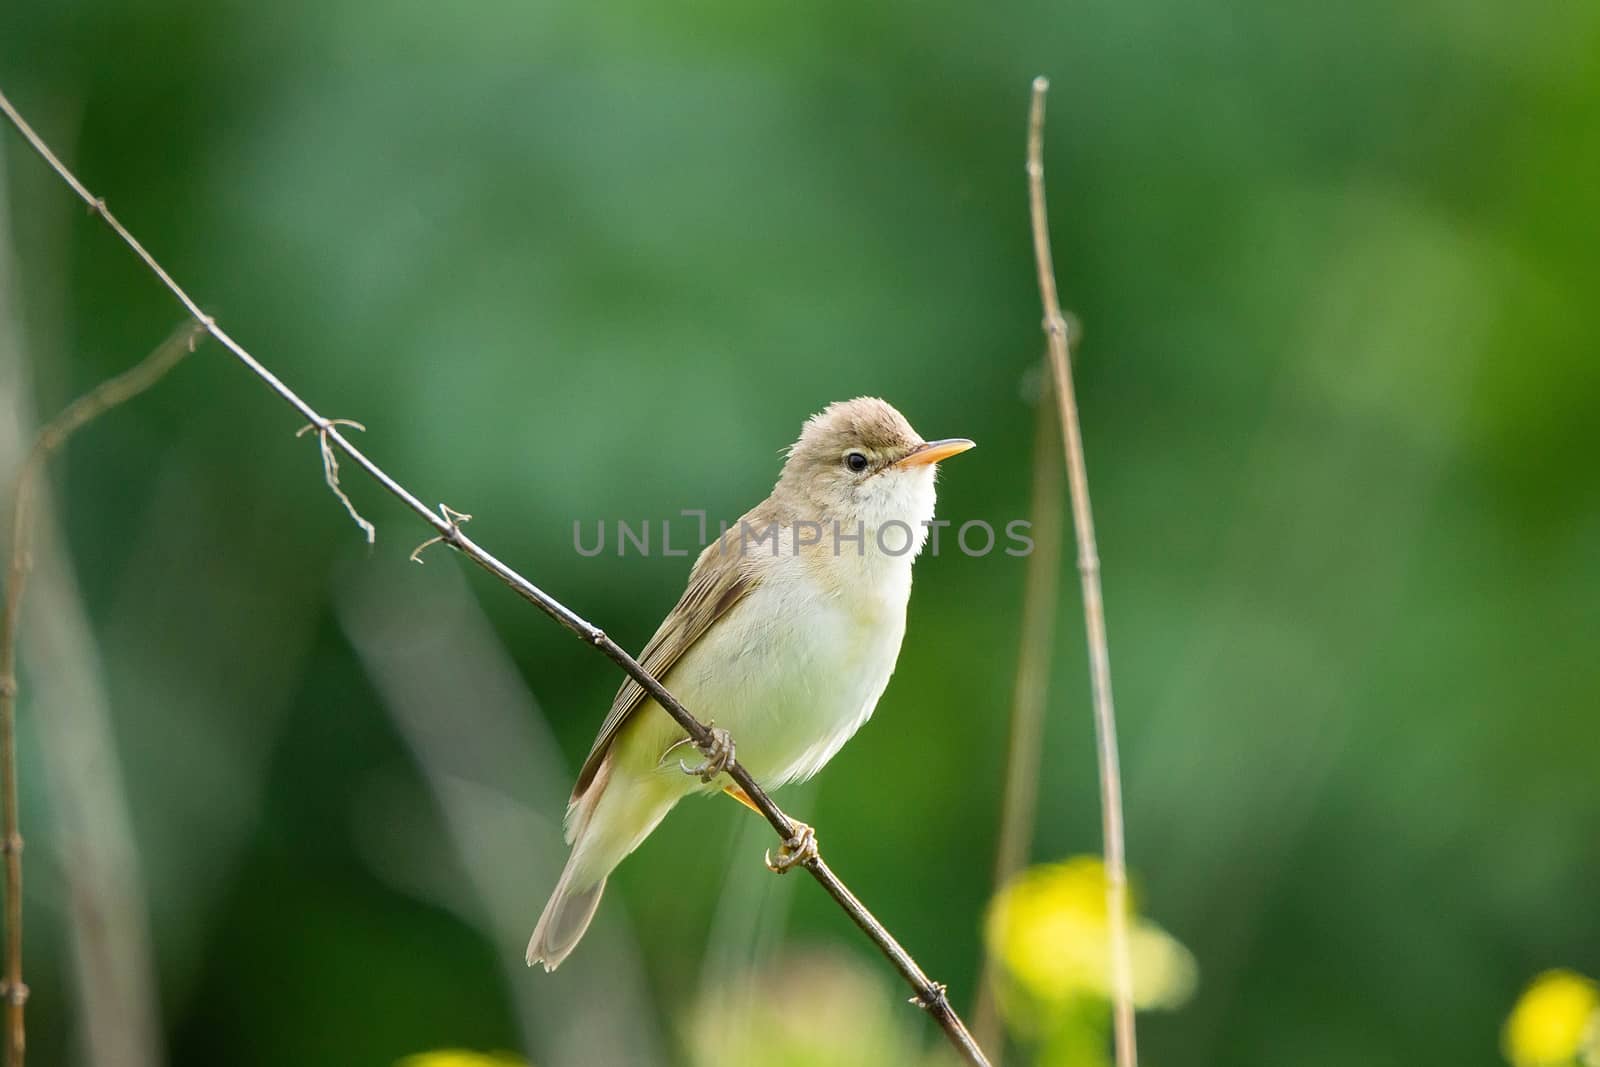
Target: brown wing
720 579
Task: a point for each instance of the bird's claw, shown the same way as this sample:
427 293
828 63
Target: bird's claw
719 755
799 849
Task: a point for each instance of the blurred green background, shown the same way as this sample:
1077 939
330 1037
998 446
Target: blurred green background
1336 267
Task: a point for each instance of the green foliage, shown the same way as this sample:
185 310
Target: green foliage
807 1008
1336 268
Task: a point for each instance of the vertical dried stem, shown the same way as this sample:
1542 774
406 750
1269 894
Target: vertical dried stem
1094 614
81 412
1040 586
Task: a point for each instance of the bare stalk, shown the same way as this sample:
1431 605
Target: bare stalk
82 411
928 994
1040 584
1094 612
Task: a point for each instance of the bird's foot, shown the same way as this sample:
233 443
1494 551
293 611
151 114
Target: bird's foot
799 849
718 756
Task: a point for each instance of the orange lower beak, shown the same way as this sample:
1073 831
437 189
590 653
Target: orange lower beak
934 451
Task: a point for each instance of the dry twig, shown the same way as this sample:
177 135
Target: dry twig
928 994
1094 612
330 469
82 411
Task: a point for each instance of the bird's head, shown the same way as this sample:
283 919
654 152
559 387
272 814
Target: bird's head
860 461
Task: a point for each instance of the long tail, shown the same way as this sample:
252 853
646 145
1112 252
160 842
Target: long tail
606 823
565 918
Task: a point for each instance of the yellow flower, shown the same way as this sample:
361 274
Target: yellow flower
1555 1020
1049 930
456 1057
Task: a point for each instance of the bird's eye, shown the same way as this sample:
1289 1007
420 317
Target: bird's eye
856 462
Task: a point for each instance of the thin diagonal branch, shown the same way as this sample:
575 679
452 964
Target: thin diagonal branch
1094 612
82 411
1041 582
928 994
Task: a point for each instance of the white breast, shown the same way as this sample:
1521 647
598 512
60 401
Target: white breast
795 668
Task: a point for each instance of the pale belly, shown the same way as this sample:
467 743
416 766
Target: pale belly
791 672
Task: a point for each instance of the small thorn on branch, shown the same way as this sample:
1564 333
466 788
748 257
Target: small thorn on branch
330 466
451 516
934 996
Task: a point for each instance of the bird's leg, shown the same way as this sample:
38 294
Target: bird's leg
718 755
739 794
799 849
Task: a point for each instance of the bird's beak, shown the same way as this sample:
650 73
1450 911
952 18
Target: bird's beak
934 451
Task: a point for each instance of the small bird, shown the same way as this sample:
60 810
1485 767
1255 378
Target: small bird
783 641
